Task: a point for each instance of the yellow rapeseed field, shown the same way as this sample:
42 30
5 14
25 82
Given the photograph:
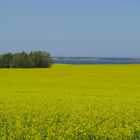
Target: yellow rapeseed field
70 102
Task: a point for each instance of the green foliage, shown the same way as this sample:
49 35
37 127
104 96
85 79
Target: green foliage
40 59
70 102
6 60
37 59
20 60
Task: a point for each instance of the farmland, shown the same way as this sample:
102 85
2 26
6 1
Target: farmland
70 102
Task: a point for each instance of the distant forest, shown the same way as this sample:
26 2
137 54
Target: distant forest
34 59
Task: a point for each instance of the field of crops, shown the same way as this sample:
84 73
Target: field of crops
70 102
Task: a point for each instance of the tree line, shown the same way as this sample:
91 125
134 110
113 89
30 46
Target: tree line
34 59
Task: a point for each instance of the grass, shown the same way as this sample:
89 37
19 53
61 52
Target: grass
70 102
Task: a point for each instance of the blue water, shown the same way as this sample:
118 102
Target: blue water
63 60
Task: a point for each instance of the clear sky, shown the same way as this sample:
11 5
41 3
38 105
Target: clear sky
103 28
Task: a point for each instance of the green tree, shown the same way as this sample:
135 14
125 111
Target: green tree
20 60
36 59
39 59
5 60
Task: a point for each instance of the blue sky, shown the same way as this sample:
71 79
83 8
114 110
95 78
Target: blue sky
103 28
